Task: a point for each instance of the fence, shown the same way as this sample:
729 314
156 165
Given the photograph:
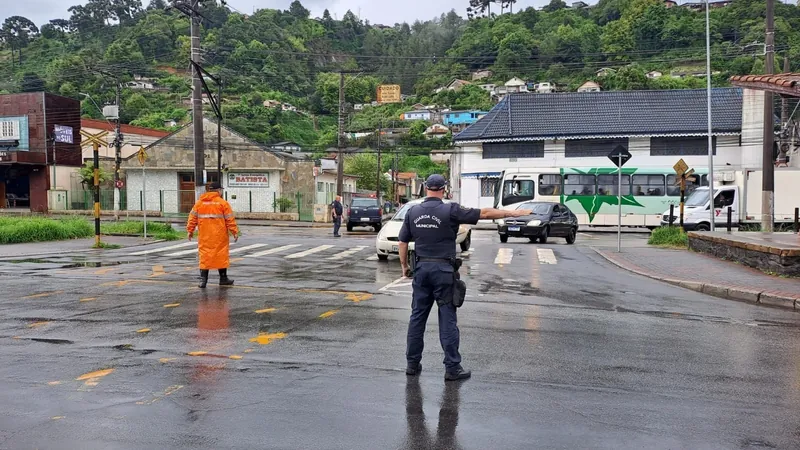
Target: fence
84 200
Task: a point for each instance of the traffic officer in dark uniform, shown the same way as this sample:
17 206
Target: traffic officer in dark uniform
433 226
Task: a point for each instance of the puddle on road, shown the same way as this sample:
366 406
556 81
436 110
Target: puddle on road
68 264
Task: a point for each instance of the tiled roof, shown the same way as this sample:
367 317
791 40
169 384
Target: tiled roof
785 83
608 114
126 129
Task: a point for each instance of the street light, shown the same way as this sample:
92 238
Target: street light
710 138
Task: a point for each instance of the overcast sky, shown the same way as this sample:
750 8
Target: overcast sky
376 11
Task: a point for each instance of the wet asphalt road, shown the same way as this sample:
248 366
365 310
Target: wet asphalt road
118 350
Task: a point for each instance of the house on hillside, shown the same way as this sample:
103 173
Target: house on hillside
545 88
488 87
326 178
589 86
461 118
481 74
272 104
604 71
653 74
512 86
287 146
579 5
571 130
417 115
455 85
436 131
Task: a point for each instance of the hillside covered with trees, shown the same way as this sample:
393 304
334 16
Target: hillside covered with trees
292 57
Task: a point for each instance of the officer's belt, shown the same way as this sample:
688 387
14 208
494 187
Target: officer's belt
420 259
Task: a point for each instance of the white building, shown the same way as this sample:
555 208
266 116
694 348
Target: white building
589 86
579 130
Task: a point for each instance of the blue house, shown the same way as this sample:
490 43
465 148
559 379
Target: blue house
461 117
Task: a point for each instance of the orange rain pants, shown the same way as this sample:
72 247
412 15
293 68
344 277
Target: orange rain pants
214 217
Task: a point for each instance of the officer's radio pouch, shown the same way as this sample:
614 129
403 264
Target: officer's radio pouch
459 287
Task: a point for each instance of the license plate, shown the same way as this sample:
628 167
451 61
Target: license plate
513 228
395 248
365 219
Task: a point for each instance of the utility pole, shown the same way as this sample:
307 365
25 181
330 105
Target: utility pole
219 132
394 178
768 180
784 145
378 181
117 156
340 154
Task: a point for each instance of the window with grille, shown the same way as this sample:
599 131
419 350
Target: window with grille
534 149
683 146
578 148
9 129
488 186
579 184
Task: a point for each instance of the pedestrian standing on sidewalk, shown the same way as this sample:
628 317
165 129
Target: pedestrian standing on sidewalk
214 217
336 214
433 226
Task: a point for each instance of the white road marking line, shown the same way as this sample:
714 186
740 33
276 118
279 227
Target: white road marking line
504 256
273 251
249 247
347 253
163 249
546 256
321 248
373 258
394 283
185 252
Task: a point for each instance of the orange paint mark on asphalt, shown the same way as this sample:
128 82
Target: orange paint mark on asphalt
249 350
165 360
157 271
38 324
89 299
117 283
92 378
53 383
43 294
167 392
58 417
266 338
172 305
327 314
264 311
104 271
143 330
356 297
197 353
235 357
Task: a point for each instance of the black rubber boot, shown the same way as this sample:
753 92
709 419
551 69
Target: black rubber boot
203 279
457 374
223 278
413 370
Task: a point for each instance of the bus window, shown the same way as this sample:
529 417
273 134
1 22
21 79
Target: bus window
579 184
674 190
515 191
648 185
609 185
549 184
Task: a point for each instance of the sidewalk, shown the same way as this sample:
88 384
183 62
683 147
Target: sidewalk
68 246
708 275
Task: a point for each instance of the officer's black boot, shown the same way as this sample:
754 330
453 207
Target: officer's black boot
457 374
413 369
223 278
203 279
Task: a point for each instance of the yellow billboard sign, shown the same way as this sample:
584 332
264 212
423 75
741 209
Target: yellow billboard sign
389 93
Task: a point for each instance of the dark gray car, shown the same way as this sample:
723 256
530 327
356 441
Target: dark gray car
549 219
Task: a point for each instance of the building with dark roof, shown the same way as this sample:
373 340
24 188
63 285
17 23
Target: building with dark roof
579 130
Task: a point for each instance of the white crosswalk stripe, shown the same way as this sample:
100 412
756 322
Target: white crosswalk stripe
321 248
249 247
272 251
347 253
504 256
373 258
546 256
183 253
163 249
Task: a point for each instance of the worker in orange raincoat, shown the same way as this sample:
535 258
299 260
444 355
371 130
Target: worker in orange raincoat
214 216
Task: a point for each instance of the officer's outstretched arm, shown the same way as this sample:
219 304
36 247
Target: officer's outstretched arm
491 213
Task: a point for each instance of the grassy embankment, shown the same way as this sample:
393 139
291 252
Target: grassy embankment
669 237
18 230
136 228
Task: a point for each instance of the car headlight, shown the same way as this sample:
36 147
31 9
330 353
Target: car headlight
501 222
534 223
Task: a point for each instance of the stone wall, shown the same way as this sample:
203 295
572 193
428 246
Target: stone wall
759 257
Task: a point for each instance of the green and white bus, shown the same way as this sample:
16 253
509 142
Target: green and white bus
592 193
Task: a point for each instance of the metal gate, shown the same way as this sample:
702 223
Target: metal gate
305 207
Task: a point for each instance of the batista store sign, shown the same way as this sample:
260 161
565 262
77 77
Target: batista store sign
249 180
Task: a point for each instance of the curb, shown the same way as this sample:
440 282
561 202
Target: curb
82 250
753 296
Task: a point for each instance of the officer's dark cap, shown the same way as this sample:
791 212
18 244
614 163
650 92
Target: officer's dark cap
435 182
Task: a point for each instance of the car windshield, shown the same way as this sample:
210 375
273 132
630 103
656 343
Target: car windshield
364 202
537 208
698 198
402 213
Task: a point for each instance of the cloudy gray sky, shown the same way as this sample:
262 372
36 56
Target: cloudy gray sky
376 11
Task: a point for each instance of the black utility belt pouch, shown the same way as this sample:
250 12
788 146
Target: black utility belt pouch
459 287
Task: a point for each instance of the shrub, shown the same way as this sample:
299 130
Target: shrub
669 237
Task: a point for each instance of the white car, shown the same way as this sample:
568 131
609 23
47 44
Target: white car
388 243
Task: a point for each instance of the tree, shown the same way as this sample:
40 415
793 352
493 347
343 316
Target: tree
32 83
365 166
554 6
297 10
87 175
17 33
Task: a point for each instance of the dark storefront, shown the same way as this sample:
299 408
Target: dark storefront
28 145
